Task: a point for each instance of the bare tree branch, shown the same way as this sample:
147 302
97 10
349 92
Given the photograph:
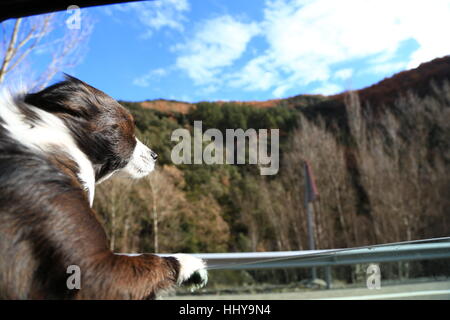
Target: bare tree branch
11 49
33 34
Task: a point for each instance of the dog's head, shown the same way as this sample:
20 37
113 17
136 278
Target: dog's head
102 128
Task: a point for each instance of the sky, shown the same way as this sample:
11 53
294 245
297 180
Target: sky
207 50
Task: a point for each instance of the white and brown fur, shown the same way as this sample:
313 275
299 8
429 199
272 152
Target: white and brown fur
55 145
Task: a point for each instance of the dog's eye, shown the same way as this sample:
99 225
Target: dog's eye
115 126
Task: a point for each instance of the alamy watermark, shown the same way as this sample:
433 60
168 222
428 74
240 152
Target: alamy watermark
238 147
374 277
73 22
74 280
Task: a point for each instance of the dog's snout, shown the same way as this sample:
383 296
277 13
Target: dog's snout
154 155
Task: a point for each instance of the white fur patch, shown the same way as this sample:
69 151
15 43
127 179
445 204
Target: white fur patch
106 177
49 132
141 162
190 265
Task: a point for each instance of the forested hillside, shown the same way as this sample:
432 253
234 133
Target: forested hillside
381 158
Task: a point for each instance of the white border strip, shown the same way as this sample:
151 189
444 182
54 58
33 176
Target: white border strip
393 295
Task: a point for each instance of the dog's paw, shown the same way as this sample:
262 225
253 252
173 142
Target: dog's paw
192 271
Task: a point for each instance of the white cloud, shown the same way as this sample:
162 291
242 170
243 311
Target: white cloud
343 74
305 41
209 89
306 38
155 15
280 91
145 80
328 89
255 75
387 68
218 43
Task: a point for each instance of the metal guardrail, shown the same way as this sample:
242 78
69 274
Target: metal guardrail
320 258
429 249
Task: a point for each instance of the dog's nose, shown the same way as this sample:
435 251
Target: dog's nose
154 155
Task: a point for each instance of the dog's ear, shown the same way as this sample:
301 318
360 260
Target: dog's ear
75 81
71 96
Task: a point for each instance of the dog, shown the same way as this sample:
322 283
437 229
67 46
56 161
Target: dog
55 146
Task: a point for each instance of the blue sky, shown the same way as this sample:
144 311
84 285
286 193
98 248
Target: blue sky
197 50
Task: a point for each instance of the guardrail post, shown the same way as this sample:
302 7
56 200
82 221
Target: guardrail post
328 277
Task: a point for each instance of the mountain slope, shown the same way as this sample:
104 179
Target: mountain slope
385 92
418 80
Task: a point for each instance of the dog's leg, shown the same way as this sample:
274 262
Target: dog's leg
71 235
141 277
